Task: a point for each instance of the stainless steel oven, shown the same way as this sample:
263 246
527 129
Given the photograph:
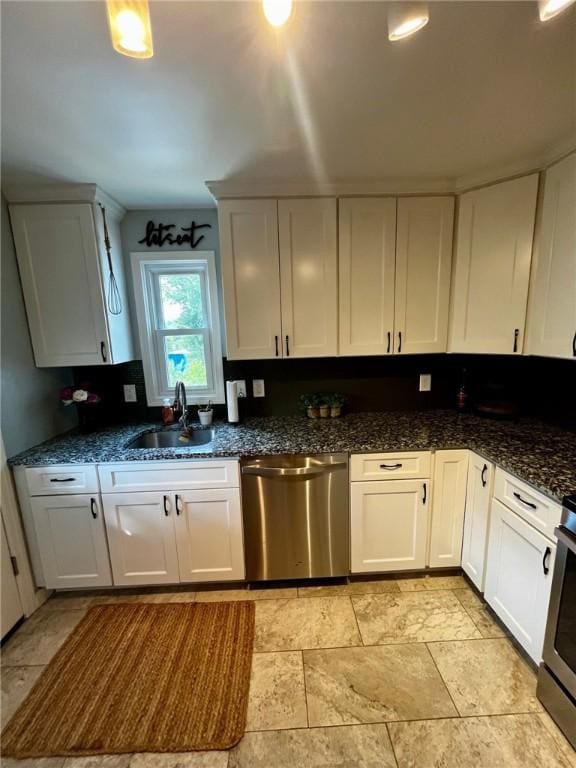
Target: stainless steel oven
557 673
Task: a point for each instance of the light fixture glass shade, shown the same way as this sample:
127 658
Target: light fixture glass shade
129 22
277 12
547 9
406 18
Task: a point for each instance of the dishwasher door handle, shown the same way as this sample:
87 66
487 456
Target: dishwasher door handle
316 471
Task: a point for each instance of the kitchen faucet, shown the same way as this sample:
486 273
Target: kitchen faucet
180 402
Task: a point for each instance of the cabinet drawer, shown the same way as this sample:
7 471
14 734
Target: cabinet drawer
538 510
63 478
168 475
390 466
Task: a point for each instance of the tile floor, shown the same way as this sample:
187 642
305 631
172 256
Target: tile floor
397 673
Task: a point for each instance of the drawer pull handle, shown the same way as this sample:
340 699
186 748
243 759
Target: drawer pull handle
62 479
390 466
166 510
546 560
178 508
424 496
103 351
528 503
93 508
483 475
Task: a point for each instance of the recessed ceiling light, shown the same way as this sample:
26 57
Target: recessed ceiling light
129 22
406 18
547 9
277 12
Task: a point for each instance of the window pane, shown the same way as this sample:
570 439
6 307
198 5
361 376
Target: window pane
181 299
185 360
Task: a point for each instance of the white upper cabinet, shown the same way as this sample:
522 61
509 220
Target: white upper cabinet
552 303
493 253
251 277
423 269
367 235
65 281
308 277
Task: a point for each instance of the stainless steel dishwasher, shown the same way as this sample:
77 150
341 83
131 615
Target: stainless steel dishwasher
295 516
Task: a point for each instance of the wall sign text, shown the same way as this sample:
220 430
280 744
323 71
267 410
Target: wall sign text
160 234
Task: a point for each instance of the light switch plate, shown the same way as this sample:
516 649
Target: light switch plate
258 388
425 382
241 387
130 393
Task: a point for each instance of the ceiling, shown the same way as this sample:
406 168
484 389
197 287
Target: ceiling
484 86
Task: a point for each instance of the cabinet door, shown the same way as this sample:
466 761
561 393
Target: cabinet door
141 537
367 239
476 516
423 269
552 304
448 502
251 278
518 577
209 535
72 541
308 277
493 252
58 259
389 525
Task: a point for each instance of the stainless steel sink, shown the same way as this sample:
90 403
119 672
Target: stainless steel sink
172 438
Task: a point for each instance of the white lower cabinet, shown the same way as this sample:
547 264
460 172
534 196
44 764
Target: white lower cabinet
389 525
518 577
448 502
141 538
477 516
72 541
209 535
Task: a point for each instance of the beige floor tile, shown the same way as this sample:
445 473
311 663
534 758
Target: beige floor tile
509 741
371 685
180 760
486 622
98 761
354 746
415 617
36 643
32 762
277 696
354 588
432 583
209 595
469 598
68 602
317 622
486 677
561 741
17 682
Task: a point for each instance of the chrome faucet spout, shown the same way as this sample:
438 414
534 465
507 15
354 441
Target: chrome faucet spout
181 402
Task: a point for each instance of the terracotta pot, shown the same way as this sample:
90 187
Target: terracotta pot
335 411
312 412
324 411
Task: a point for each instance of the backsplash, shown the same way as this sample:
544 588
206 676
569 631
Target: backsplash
540 388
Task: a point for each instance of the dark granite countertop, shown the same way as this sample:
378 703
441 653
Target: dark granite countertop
537 453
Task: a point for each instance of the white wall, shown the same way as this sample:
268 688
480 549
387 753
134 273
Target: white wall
30 409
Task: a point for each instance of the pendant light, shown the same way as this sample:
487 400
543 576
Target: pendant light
277 12
129 22
406 18
547 9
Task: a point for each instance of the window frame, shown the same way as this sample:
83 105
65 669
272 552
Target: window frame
146 270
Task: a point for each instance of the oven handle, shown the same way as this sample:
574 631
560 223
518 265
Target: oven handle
567 538
316 471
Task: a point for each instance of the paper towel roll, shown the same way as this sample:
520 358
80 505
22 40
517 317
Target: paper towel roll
232 401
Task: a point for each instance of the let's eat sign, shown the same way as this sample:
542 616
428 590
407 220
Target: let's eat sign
160 234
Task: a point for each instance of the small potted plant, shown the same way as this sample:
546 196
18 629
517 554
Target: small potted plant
324 406
310 403
205 413
337 401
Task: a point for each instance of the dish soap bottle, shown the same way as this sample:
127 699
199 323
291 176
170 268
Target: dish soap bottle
167 412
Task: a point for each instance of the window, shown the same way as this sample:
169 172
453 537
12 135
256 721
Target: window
177 309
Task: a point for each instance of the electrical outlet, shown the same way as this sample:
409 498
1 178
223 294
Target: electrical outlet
241 387
258 388
425 382
130 393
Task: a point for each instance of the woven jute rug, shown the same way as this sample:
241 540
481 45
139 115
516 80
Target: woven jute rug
141 678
